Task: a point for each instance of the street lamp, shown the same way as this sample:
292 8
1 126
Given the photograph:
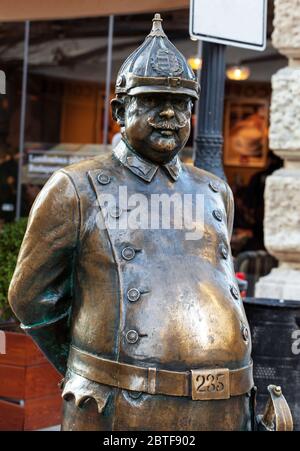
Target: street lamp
238 73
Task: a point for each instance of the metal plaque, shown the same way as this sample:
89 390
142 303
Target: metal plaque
210 384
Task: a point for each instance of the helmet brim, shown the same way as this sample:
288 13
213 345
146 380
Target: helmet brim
162 89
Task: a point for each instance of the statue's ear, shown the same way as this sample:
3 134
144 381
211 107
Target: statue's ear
118 111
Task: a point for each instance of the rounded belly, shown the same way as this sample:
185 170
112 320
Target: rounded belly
186 322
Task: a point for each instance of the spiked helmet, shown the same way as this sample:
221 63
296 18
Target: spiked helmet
157 66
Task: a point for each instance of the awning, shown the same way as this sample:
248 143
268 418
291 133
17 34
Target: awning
19 10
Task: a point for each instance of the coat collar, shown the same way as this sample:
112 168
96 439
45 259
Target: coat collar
144 169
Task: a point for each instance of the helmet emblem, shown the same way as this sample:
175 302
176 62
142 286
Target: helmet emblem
166 63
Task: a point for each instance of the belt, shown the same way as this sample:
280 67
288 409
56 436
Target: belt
199 384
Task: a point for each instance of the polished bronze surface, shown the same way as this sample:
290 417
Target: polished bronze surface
146 322
121 410
198 384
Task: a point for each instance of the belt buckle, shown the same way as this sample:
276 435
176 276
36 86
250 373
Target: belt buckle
210 384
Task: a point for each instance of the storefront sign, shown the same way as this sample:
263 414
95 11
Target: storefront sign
39 164
240 23
45 163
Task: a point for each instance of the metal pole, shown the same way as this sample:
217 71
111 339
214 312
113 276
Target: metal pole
209 139
22 118
199 55
108 79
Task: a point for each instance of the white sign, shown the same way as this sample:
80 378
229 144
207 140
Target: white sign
241 23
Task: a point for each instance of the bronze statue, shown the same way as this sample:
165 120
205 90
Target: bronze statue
147 324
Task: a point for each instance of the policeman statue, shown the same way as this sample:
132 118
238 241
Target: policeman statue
142 316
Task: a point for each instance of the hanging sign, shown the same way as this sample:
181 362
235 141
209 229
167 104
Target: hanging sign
240 23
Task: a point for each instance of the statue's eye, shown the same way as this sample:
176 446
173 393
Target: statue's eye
181 104
148 101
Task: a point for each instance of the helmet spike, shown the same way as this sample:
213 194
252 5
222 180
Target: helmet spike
157 16
157 29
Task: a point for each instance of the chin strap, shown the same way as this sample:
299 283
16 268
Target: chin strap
277 415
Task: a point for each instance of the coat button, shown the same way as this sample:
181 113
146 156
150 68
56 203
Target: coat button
217 214
115 211
214 186
103 178
133 295
224 252
132 336
234 292
245 333
128 253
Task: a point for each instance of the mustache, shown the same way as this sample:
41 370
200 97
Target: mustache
166 125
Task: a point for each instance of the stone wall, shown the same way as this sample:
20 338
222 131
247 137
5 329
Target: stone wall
282 192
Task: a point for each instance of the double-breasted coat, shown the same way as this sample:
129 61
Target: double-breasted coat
148 298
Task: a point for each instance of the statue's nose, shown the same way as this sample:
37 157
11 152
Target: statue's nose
167 113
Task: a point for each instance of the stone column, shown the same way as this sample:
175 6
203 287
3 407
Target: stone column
282 192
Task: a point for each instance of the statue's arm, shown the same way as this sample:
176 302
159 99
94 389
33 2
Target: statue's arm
41 289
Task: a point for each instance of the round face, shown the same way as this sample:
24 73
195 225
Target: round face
157 126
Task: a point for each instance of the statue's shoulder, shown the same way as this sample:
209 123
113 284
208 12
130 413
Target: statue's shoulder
80 173
202 176
81 168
